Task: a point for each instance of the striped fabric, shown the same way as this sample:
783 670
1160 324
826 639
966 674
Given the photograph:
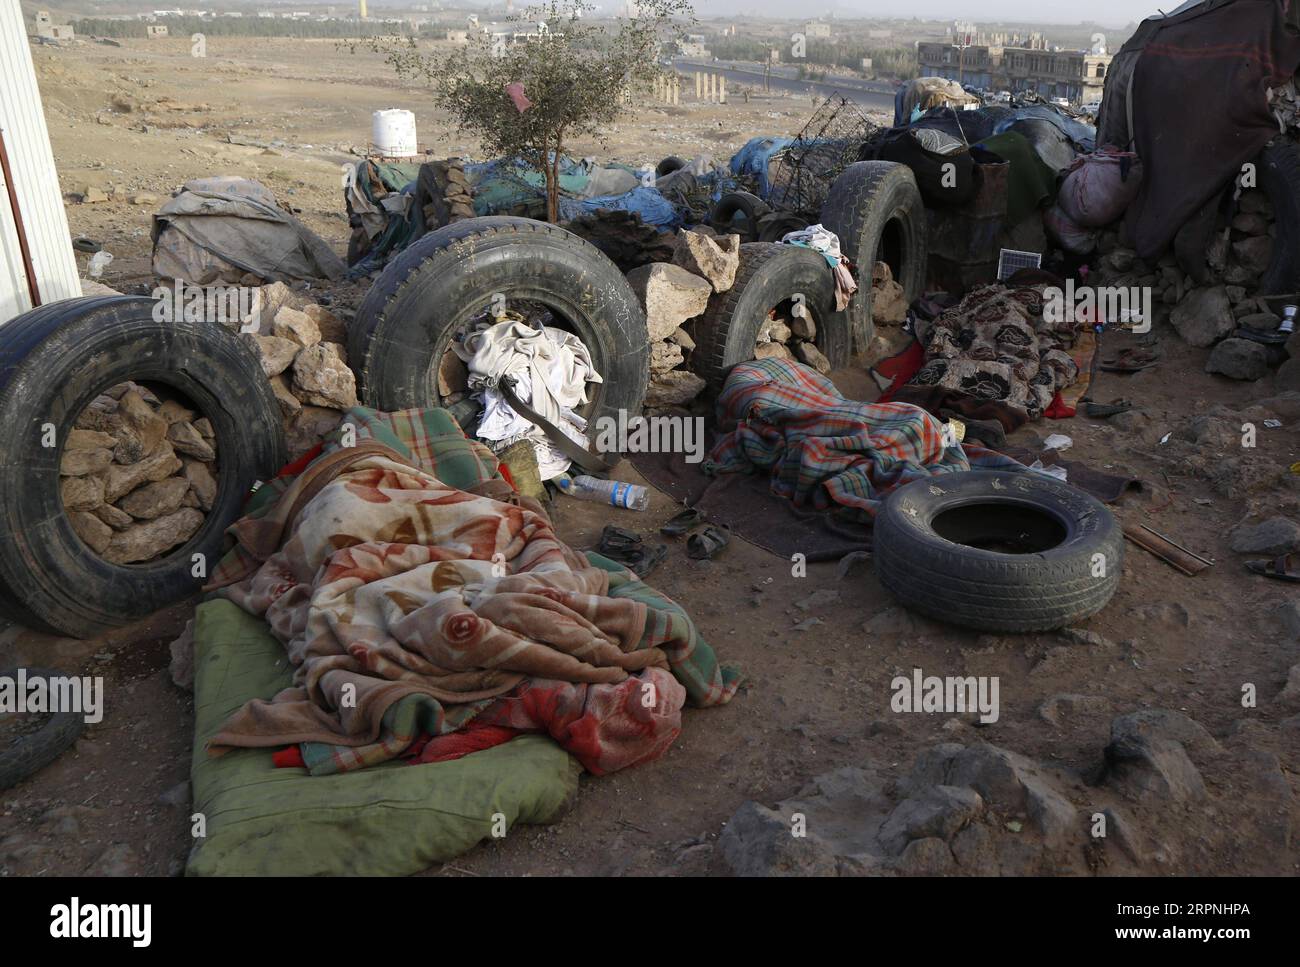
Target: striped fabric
825 452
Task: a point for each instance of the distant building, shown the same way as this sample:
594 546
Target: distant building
156 31
458 36
818 29
46 27
1016 64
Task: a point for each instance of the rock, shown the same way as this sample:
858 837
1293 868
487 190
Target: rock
851 563
82 493
888 302
296 326
774 330
664 356
79 439
94 532
275 352
715 259
1147 754
118 860
1254 254
1289 697
320 377
142 198
271 299
147 540
204 426
90 195
1287 377
113 517
682 338
173 412
1203 317
670 295
201 481
79 463
819 599
1122 833
939 811
812 356
772 350
121 480
182 660
1285 406
674 388
1271 537
1121 259
1064 710
926 857
290 405
177 797
1250 223
804 327
1130 421
188 441
142 429
330 326
155 499
308 427
1239 359
453 375
758 842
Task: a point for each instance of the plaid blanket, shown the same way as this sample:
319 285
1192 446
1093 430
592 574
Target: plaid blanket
409 607
824 451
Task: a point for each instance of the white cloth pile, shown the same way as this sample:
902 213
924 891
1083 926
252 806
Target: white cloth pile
551 369
821 239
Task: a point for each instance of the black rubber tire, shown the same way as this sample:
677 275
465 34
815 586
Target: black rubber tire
723 216
1278 170
863 201
777 225
53 361
988 589
769 274
430 291
34 752
669 165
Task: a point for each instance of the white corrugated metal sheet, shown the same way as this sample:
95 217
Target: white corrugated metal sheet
22 122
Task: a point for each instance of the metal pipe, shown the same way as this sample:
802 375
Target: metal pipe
33 290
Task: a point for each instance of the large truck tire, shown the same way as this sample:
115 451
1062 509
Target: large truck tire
769 274
31 753
1279 176
53 361
876 210
998 551
434 289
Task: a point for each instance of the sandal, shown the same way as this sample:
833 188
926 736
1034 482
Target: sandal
625 547
680 524
706 543
1131 361
1102 410
617 540
1279 568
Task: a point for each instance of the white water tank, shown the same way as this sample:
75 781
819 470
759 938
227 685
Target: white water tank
393 132
33 199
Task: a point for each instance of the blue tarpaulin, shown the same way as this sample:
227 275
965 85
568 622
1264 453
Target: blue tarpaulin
653 207
755 156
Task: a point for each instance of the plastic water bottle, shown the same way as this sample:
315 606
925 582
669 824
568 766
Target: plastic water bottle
614 492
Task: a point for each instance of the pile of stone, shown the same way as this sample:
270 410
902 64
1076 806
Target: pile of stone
301 346
788 333
1206 312
1284 102
459 202
138 474
888 315
674 293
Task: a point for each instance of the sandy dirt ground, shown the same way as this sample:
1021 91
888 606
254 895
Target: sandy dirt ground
814 700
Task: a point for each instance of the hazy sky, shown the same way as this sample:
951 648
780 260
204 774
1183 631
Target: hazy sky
1114 12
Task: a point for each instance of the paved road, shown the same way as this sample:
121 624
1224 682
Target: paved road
868 95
